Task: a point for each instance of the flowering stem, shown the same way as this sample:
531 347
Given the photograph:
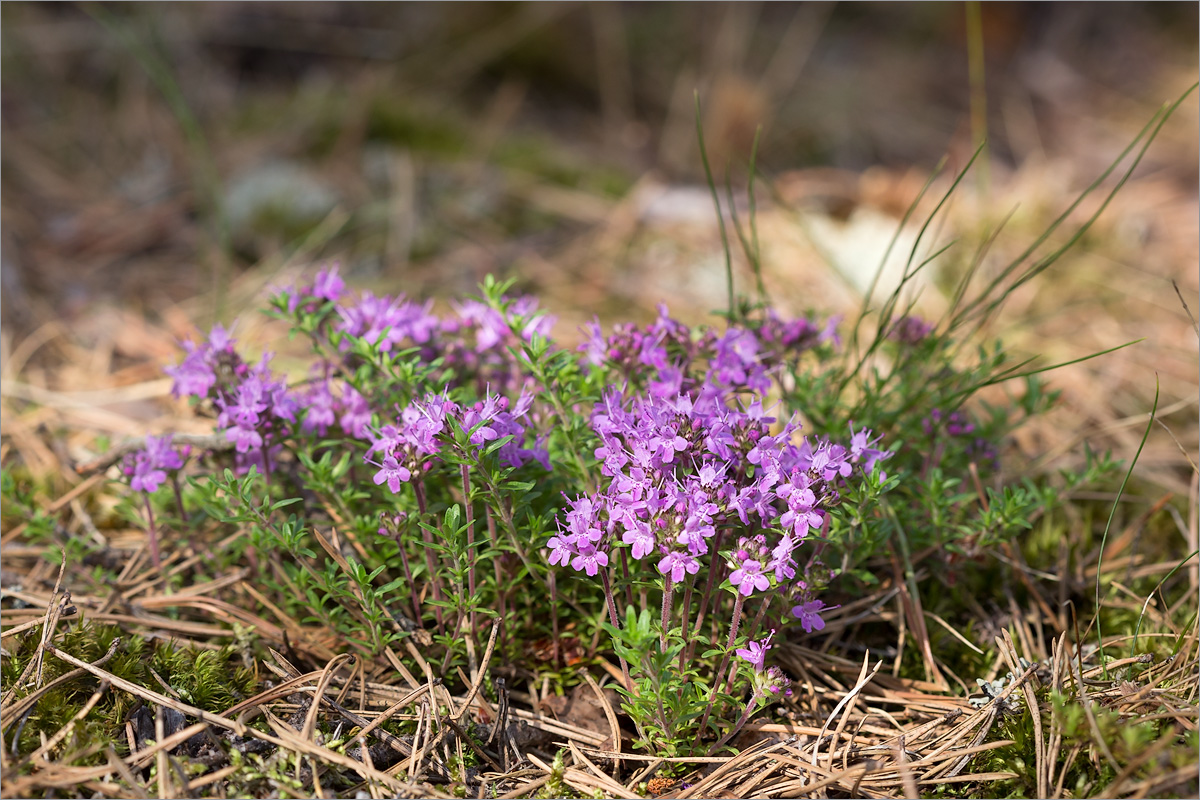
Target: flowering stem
719 675
713 571
665 624
612 617
152 535
419 488
466 484
751 631
554 652
178 496
740 723
625 574
502 593
687 601
412 587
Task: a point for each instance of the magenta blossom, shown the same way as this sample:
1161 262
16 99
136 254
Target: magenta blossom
677 563
147 468
749 579
809 615
755 653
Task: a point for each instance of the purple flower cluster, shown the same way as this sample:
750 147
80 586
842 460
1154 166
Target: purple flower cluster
666 356
409 446
474 342
679 474
767 680
258 410
255 406
146 468
388 321
953 424
327 287
957 425
910 330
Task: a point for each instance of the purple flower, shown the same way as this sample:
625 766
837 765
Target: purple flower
862 448
356 413
749 578
393 473
755 653
809 615
244 439
910 330
589 559
194 376
639 536
562 548
773 681
162 455
677 563
781 560
321 408
594 346
145 474
328 285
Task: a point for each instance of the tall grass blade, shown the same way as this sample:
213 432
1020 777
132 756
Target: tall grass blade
1108 525
712 187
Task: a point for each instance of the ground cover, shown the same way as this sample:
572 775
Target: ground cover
1004 613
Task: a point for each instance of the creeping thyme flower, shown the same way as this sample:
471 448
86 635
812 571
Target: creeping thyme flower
392 473
196 375
955 424
327 286
147 468
809 615
640 538
258 409
910 330
862 448
321 407
747 574
772 681
356 413
677 564
755 653
588 559
407 448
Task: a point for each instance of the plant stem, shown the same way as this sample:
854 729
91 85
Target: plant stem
152 534
419 488
625 574
742 720
719 675
714 569
502 594
687 601
553 584
178 497
665 623
466 484
412 586
612 617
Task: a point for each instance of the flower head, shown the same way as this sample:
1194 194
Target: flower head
147 468
755 653
809 615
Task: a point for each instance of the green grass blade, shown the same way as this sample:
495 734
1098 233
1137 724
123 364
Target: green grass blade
1108 525
712 187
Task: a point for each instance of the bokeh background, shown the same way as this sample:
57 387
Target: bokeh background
164 164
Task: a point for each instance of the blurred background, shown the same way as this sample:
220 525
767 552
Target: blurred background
163 163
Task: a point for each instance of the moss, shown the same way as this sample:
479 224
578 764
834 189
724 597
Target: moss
407 127
209 679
